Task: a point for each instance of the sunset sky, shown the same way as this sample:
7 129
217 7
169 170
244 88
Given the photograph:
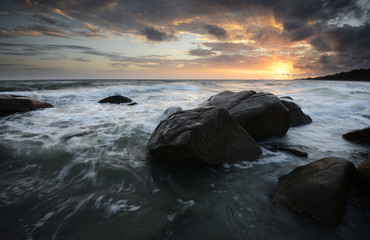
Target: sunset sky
182 39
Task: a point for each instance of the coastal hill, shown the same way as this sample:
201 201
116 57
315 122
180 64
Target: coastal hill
355 75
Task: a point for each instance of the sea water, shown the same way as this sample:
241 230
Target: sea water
79 170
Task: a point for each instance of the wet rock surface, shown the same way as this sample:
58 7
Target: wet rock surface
318 189
201 136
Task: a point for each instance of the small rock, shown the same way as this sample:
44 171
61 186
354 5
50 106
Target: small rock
359 136
318 189
116 99
293 149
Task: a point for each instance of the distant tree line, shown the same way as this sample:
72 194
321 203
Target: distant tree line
357 74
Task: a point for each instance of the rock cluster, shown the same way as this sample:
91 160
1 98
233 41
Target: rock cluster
225 128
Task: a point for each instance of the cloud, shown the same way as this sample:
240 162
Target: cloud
218 32
199 52
153 34
80 60
228 47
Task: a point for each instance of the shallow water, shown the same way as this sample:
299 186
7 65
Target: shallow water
99 185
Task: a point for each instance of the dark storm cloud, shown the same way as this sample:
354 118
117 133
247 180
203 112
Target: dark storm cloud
218 32
153 34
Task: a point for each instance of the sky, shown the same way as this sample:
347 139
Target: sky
182 39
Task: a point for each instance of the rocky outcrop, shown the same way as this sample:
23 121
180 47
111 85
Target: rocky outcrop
117 99
14 103
359 136
262 115
201 136
363 172
318 189
297 116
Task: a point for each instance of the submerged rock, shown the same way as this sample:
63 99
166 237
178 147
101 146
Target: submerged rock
296 150
117 99
318 189
201 136
297 116
360 136
262 115
14 103
363 172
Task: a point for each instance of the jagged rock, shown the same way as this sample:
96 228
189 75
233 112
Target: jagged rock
297 116
360 136
262 115
318 189
201 136
14 103
117 99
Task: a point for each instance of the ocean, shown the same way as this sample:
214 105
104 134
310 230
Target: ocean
79 170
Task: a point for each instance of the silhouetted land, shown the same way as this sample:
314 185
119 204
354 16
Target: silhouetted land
354 75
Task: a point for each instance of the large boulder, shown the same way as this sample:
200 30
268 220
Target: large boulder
360 136
297 116
363 172
262 115
14 103
117 99
201 136
318 189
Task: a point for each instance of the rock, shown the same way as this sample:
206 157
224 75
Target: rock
363 172
117 99
318 189
296 150
168 112
262 115
297 116
201 136
14 103
360 136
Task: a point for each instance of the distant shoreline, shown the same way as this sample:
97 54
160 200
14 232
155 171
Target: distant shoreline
358 75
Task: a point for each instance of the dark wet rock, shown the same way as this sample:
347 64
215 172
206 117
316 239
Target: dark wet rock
14 103
318 189
262 115
360 136
296 150
132 104
117 99
297 116
363 172
201 136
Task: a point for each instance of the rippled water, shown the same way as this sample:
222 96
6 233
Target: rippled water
99 185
